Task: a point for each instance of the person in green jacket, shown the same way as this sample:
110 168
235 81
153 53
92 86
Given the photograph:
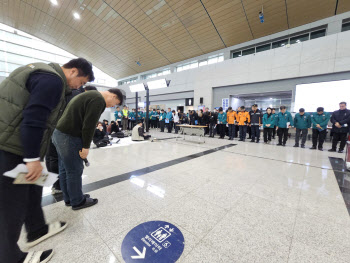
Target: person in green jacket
162 117
283 120
132 118
268 125
302 122
153 118
118 115
222 121
319 121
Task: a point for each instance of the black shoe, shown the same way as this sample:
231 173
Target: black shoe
313 148
332 150
88 202
296 145
303 146
240 140
252 140
279 144
320 149
68 204
340 151
257 141
284 144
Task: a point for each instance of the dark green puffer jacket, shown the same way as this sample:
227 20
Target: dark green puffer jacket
14 97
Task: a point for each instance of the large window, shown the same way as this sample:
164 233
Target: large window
18 48
345 27
294 39
156 74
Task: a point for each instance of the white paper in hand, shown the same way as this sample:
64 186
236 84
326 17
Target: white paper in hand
47 178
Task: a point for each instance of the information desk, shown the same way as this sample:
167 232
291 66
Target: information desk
192 130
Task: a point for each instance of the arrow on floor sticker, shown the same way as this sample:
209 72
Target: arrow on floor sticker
140 255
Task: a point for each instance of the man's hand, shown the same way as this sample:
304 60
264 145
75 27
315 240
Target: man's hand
318 126
84 153
34 171
276 128
268 125
337 124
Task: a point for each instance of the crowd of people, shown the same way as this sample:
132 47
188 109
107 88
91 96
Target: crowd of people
239 123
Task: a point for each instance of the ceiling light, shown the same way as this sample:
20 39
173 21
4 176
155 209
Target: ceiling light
137 87
76 15
157 84
54 2
270 98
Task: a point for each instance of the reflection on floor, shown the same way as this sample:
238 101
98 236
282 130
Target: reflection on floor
244 203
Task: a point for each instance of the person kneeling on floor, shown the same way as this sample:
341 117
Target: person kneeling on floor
137 133
100 137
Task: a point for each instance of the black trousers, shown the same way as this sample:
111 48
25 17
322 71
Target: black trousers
51 160
318 136
242 132
157 123
19 204
342 137
170 126
231 131
255 132
282 135
211 129
249 131
274 132
162 125
176 128
221 130
153 123
236 130
304 133
267 134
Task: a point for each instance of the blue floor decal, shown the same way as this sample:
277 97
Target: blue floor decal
153 241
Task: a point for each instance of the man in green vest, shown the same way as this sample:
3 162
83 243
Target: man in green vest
32 100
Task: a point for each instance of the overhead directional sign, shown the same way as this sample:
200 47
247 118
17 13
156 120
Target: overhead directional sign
153 241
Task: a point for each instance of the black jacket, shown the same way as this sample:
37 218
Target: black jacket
99 135
343 117
206 118
255 117
213 118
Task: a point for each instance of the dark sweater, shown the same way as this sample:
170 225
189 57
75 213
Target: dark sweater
81 116
45 92
99 135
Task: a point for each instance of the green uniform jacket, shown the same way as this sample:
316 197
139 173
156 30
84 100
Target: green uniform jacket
152 115
222 118
282 119
269 120
163 116
14 97
116 115
321 119
302 121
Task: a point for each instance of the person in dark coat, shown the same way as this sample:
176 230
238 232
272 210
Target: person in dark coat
100 138
341 121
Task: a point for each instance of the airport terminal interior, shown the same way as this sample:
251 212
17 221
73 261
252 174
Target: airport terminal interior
223 137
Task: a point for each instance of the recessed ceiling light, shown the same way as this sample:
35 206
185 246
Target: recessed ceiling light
270 98
76 15
54 2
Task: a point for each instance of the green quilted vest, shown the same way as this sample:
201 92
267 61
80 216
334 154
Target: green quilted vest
14 97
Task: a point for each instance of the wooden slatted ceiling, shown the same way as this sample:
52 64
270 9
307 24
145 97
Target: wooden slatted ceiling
301 12
113 34
343 6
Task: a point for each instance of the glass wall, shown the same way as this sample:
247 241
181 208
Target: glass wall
18 48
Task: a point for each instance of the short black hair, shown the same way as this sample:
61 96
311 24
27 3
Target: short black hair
229 108
161 110
320 109
221 109
90 88
112 121
242 108
273 109
343 102
84 67
282 107
255 105
138 122
119 94
301 110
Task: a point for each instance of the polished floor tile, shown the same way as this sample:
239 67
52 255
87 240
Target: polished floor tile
246 202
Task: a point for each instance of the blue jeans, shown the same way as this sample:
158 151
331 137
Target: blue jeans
231 131
70 166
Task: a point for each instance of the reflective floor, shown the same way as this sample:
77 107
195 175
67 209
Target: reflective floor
232 201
